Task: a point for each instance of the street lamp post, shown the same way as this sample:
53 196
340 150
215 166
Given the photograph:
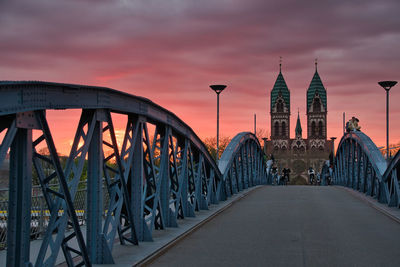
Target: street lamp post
218 88
387 85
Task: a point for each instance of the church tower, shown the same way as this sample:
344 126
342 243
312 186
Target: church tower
316 113
298 131
280 113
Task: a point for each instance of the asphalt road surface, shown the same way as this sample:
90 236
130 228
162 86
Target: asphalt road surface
292 226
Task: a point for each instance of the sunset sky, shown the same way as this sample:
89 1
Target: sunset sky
171 51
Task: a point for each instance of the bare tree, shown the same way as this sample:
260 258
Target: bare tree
211 144
261 133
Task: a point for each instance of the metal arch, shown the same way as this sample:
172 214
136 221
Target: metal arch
21 96
360 165
233 148
152 181
242 163
391 178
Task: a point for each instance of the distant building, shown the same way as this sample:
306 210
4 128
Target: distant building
299 154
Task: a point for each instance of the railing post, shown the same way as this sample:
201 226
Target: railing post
19 205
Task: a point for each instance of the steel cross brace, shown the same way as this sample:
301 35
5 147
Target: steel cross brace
153 182
61 199
201 185
119 194
182 208
174 179
9 124
191 198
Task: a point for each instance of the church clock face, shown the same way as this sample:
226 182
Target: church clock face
299 166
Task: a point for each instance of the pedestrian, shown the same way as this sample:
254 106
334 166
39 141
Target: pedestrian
311 175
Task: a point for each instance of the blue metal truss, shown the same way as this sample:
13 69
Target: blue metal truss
360 166
152 180
61 198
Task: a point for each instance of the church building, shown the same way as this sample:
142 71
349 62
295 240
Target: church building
299 153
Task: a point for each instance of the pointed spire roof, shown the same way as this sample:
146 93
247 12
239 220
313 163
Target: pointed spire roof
316 86
298 131
280 87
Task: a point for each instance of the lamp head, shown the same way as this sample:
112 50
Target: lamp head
387 84
218 88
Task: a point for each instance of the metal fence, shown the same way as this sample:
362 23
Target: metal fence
40 213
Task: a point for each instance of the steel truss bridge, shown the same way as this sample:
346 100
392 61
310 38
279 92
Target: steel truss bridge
151 181
161 173
360 165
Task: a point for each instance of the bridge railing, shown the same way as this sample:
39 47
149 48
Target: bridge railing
162 172
242 164
360 165
40 214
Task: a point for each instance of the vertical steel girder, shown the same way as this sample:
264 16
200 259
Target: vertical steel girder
19 203
137 182
96 243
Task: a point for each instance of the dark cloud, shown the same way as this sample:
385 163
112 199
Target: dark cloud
179 47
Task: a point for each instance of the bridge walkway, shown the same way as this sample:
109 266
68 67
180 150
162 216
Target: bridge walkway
292 226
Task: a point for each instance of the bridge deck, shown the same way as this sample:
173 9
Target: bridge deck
292 226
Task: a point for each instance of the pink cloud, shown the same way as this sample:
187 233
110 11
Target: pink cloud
171 52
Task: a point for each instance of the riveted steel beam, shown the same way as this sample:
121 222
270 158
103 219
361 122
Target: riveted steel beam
150 182
19 203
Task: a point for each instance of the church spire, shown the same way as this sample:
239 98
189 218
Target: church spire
316 65
298 130
280 89
316 86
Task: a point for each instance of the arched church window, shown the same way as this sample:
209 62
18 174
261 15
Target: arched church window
276 128
313 133
317 105
283 129
320 128
279 106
